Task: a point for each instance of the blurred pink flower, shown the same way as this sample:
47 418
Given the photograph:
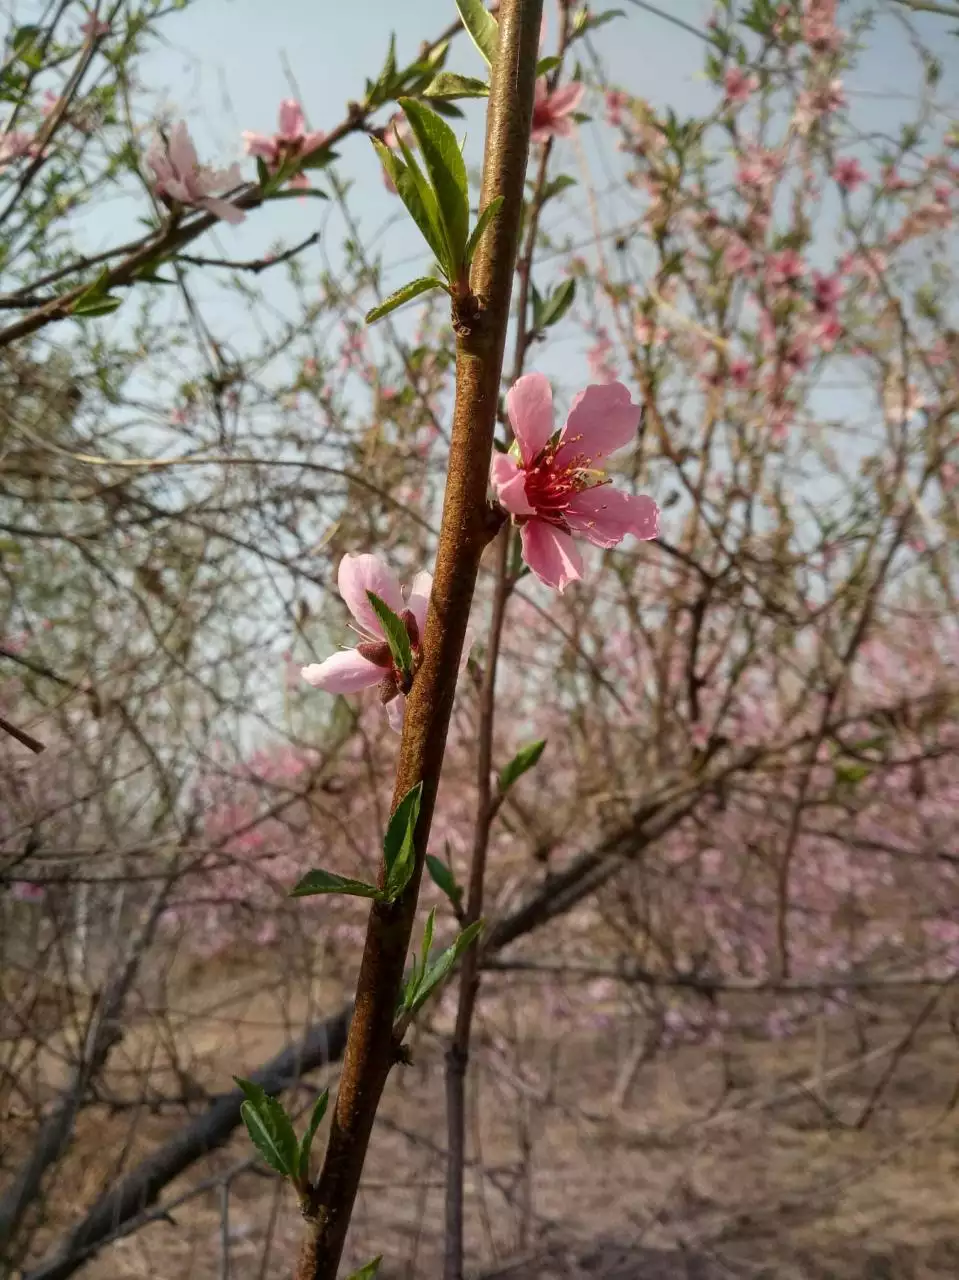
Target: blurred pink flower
552 111
181 178
27 891
291 141
739 85
396 131
371 662
848 173
94 28
15 145
549 482
599 357
616 103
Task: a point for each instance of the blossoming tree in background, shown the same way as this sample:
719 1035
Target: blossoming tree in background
682 774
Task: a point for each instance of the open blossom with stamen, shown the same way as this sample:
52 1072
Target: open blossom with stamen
290 142
182 179
552 111
551 486
371 662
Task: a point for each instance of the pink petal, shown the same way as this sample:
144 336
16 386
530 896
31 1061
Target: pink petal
182 151
259 144
223 209
603 419
604 515
395 710
419 598
291 119
551 554
312 141
565 100
345 672
529 403
359 574
509 484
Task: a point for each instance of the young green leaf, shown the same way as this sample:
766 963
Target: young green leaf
524 760
450 85
546 65
557 304
409 291
443 878
427 940
306 1142
394 629
482 222
441 967
418 197
269 1128
481 25
319 158
558 184
447 172
315 882
369 1271
101 306
398 852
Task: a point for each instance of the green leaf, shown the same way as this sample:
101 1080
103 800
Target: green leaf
447 108
398 851
98 306
439 970
449 85
485 218
524 760
481 25
442 876
297 193
427 940
409 291
316 882
306 1142
263 175
318 159
269 1128
369 1271
851 773
394 629
447 172
557 304
558 184
418 197
546 65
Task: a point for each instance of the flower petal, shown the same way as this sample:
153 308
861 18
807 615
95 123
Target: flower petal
562 102
602 419
359 574
509 484
259 144
181 151
223 209
604 515
551 554
292 122
419 599
395 710
529 402
344 672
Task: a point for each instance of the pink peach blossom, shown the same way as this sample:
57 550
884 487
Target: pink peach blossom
552 111
848 173
371 662
94 28
182 179
740 86
616 103
15 145
291 141
550 484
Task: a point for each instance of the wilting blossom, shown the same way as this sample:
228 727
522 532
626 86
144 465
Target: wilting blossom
371 662
292 141
552 111
181 178
550 484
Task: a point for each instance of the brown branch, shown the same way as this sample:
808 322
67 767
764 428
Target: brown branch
464 533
